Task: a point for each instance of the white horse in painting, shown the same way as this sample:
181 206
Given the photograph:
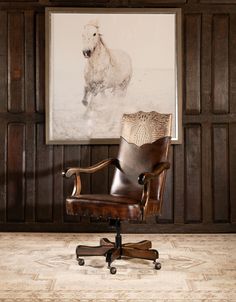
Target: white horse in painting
105 69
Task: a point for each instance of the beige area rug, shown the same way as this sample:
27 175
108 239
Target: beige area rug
42 267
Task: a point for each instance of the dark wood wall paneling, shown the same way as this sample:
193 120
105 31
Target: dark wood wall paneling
200 193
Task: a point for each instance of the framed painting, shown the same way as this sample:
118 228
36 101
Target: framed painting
102 63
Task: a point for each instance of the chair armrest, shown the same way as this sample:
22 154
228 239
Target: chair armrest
147 176
71 171
76 171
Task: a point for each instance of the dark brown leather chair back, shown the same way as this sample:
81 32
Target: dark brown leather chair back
144 144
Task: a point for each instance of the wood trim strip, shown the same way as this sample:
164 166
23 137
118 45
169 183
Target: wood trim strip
133 228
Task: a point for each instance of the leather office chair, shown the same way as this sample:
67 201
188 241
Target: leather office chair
137 187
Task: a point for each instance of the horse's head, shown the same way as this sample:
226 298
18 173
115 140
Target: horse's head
90 38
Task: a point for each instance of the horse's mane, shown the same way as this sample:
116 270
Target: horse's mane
106 48
102 41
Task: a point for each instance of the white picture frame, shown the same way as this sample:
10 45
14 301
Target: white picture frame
101 63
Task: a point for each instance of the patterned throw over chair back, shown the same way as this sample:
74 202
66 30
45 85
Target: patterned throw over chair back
145 142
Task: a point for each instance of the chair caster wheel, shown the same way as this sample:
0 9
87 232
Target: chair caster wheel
80 261
157 265
113 270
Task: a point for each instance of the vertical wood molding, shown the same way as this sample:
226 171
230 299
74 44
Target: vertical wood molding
206 96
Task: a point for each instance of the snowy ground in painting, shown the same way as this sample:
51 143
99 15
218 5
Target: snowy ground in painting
71 120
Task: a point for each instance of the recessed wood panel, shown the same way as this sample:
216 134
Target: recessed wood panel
30 172
40 62
232 167
193 205
29 61
232 63
206 177
44 178
220 173
3 62
16 172
3 172
206 62
192 63
16 62
220 63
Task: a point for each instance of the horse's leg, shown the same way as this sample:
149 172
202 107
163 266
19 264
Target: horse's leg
86 95
121 89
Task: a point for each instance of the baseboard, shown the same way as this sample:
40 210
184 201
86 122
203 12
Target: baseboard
141 228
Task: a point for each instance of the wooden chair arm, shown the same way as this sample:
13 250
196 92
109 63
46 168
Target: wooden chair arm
76 171
144 179
147 176
106 162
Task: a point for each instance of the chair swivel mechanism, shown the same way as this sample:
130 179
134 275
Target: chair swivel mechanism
137 187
